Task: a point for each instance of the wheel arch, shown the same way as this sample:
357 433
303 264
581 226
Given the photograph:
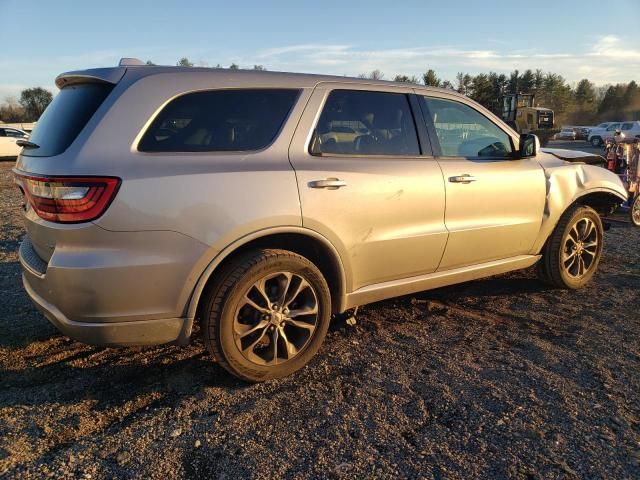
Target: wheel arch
302 241
603 200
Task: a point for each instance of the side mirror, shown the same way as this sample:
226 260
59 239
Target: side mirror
529 145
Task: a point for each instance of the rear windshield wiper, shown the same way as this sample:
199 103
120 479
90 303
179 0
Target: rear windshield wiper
26 143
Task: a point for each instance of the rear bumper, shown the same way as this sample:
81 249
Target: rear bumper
144 332
114 288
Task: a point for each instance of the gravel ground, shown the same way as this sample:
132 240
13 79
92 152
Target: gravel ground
498 378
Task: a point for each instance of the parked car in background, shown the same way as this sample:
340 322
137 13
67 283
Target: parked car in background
630 129
567 133
598 134
24 126
260 203
603 125
8 137
581 132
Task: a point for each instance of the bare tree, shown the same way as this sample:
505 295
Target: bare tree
406 79
374 75
11 111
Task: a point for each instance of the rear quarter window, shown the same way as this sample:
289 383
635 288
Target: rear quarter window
65 117
219 121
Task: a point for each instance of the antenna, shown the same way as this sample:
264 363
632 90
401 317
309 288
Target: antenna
130 62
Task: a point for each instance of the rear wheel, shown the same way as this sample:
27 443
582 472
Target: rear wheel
634 211
571 255
266 314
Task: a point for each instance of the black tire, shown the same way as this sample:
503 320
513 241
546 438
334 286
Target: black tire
557 254
596 141
226 310
634 211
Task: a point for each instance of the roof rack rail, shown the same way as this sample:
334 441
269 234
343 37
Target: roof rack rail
130 62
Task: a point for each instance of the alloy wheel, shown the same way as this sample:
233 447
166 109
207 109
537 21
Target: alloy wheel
275 319
580 248
635 211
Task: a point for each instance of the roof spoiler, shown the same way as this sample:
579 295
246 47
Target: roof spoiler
93 75
98 75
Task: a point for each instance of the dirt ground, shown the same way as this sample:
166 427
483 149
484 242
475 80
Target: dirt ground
497 378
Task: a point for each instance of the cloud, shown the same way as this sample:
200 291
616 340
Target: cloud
607 60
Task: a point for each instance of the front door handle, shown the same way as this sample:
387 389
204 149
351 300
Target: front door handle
329 183
465 178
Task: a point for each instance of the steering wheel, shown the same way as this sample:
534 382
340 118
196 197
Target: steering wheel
496 149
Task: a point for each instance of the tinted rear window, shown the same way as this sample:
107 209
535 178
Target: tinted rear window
219 121
358 122
65 117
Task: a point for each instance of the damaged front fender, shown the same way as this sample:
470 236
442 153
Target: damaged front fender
569 183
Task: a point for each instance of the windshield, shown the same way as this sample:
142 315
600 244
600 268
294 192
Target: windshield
65 117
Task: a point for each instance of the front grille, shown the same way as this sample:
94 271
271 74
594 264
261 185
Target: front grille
30 258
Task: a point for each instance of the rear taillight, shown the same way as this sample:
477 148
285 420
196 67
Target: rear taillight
68 199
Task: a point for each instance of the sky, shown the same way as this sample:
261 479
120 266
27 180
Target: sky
577 39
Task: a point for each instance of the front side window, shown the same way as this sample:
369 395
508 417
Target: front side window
465 132
613 127
357 122
219 121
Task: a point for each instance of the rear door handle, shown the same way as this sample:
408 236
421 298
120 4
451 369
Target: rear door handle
330 183
462 179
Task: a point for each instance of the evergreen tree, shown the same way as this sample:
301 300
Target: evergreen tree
482 91
464 82
184 62
431 79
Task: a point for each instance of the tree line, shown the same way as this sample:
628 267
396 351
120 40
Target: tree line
582 104
28 108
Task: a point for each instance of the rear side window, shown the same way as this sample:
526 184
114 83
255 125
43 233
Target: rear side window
65 117
219 121
465 132
356 122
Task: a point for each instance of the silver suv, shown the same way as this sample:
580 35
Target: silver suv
259 204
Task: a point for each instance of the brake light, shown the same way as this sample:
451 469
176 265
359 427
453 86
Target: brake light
68 199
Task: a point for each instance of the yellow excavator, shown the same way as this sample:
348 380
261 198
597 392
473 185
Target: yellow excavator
520 113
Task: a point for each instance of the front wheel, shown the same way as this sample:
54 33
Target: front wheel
596 141
634 211
266 314
571 255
